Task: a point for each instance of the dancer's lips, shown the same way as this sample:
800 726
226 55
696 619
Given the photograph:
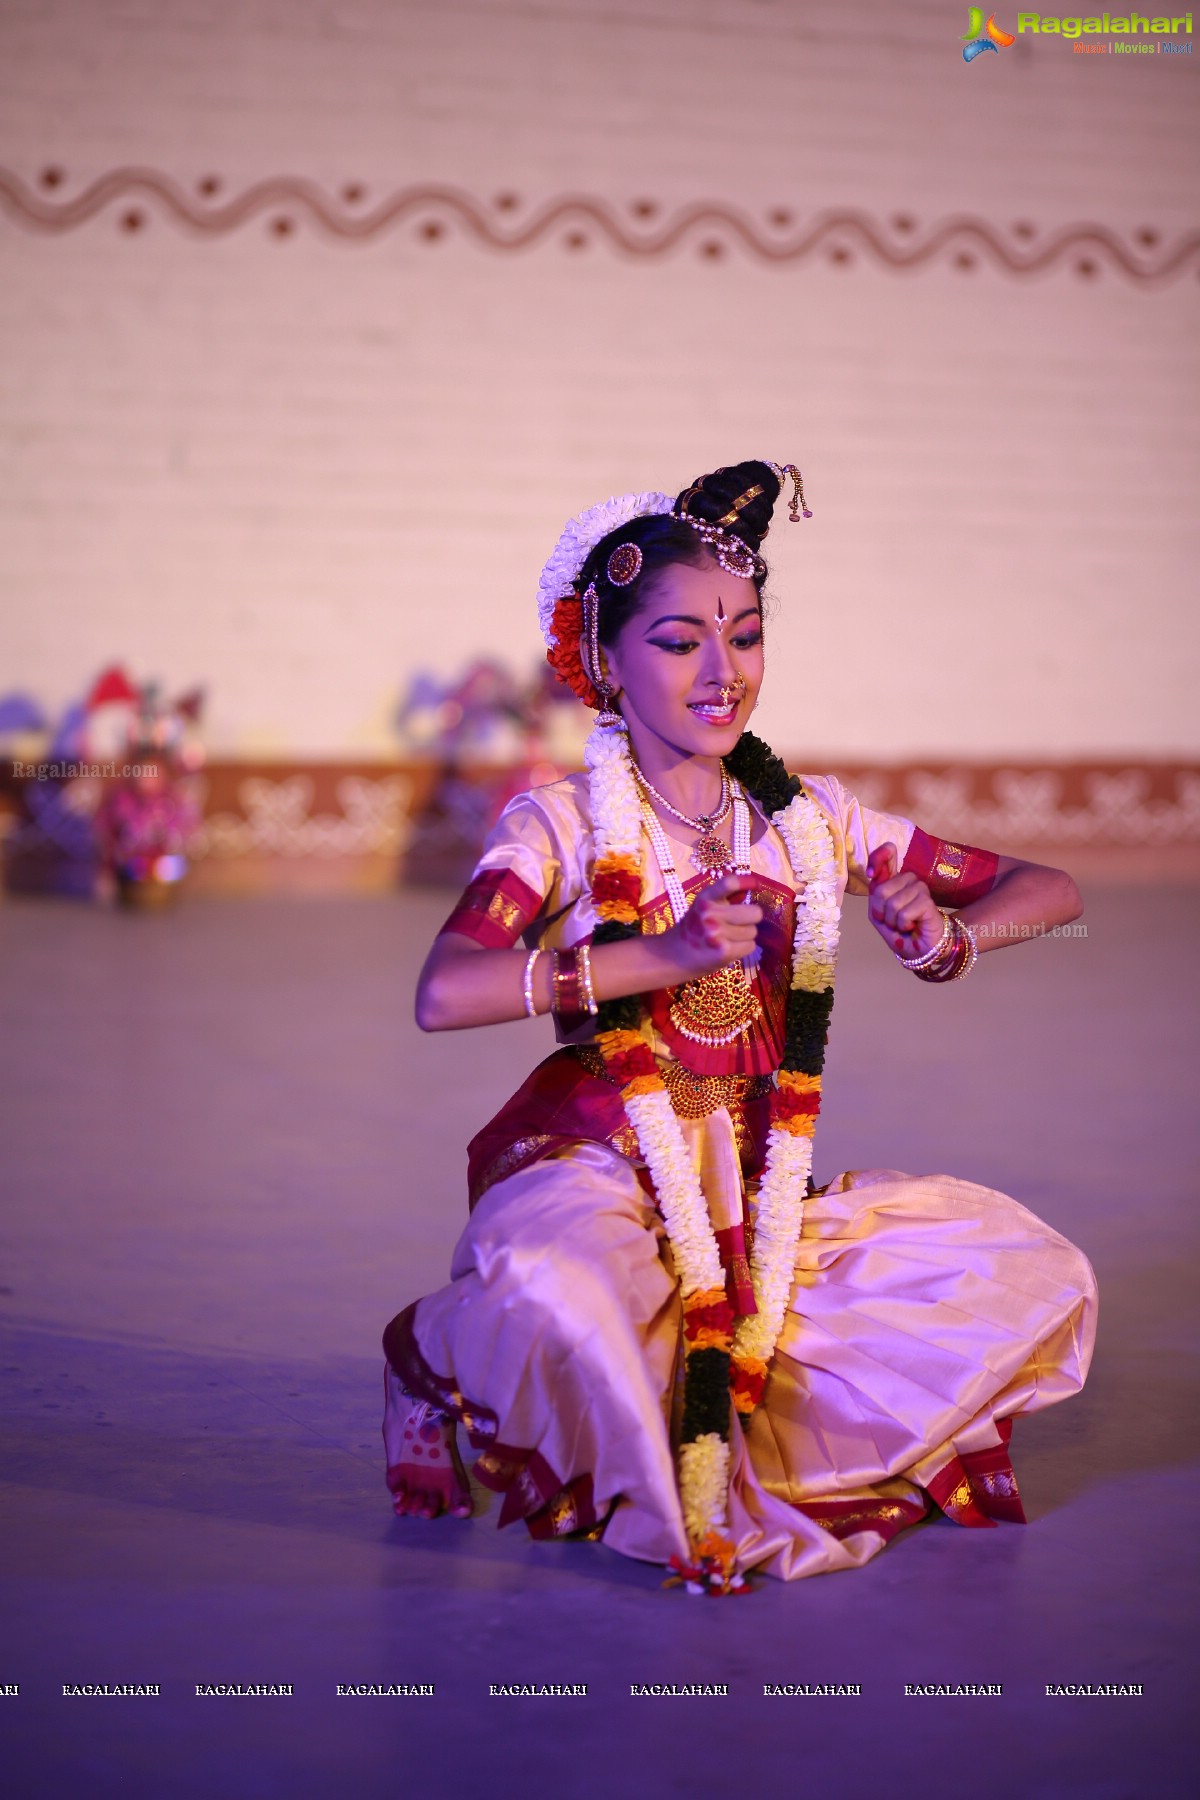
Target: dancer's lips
713 714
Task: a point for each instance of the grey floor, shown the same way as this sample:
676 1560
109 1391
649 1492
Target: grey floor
228 1157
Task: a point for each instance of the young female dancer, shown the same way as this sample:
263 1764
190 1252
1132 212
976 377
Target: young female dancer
656 1328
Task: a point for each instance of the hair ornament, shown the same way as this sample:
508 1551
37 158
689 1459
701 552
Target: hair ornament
589 637
750 494
732 553
625 564
798 503
589 657
734 556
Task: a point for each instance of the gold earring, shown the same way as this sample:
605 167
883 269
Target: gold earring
608 718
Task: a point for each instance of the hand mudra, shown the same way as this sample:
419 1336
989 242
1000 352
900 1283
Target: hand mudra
900 906
719 927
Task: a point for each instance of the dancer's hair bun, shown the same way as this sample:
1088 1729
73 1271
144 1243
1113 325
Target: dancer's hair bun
740 499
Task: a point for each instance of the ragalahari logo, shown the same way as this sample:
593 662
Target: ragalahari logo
983 37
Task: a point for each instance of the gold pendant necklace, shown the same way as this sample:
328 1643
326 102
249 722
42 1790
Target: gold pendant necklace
717 1008
711 855
720 1007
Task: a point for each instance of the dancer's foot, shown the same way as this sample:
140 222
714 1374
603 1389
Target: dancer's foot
425 1475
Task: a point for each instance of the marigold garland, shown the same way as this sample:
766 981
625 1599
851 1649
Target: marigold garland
709 1311
616 889
723 1362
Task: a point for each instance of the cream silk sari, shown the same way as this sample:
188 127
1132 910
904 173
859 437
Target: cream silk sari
926 1312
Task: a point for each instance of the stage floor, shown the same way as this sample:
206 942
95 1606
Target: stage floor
229 1157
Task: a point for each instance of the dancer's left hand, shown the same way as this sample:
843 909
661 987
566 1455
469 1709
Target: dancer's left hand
900 905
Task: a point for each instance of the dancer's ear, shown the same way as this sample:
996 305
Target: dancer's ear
610 671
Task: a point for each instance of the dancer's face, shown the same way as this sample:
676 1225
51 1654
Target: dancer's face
678 661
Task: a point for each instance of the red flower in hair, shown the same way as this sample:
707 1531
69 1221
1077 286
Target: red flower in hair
563 656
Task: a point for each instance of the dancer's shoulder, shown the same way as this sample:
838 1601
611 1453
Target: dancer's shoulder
826 790
572 789
566 800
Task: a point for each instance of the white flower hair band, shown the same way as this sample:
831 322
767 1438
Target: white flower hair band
579 538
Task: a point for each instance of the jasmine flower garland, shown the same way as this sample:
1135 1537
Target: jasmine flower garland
718 1358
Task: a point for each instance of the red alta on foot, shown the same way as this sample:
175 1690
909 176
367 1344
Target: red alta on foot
425 1475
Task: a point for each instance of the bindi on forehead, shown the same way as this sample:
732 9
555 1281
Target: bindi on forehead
699 595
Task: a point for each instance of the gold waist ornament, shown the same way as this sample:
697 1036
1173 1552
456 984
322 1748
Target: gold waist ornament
693 1096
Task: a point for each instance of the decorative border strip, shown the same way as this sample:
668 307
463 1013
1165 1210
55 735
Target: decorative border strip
1065 804
326 811
276 818
644 229
999 806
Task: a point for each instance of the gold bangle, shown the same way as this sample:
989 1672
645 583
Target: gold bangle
973 952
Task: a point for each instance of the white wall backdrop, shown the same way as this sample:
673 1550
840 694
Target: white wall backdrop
298 466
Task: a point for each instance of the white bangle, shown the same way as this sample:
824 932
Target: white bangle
585 979
530 1008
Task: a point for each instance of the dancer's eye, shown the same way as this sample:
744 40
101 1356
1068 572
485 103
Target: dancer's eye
747 640
677 646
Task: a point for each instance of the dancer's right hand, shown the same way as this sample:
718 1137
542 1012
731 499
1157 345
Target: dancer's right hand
719 927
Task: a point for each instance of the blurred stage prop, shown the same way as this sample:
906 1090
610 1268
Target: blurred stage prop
487 737
119 798
105 803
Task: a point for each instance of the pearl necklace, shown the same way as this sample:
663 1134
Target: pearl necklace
739 861
709 855
704 821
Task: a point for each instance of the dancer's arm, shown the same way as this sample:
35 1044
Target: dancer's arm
462 983
1026 900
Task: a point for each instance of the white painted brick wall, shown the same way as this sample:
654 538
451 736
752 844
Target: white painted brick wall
298 470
